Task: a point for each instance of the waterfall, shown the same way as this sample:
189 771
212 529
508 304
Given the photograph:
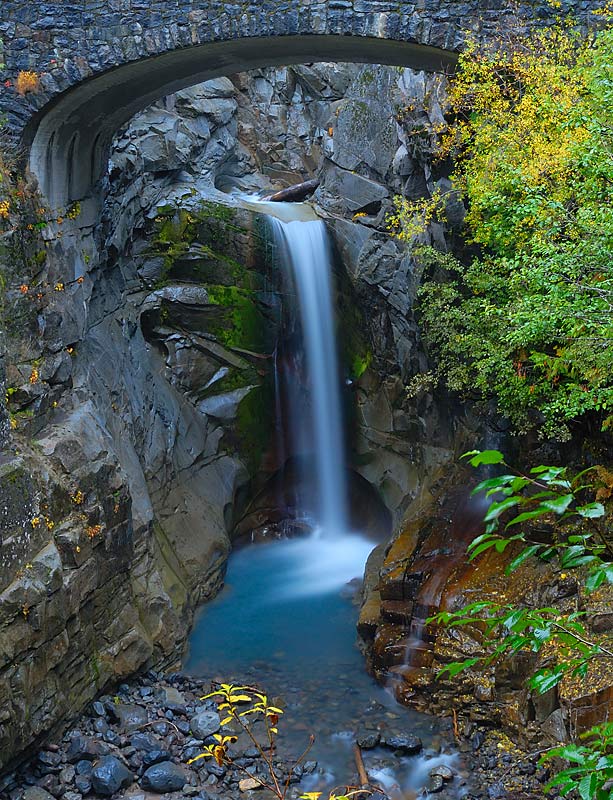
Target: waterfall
316 425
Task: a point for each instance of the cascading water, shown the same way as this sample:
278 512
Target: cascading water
282 620
307 250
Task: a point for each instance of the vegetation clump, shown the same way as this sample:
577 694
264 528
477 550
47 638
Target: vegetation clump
559 518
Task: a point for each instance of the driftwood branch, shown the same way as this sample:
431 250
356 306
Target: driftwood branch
359 762
295 193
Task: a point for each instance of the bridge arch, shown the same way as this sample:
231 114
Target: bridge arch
102 61
69 139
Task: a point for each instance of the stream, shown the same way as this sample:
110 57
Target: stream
285 620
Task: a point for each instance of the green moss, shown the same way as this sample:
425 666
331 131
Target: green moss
94 667
254 426
202 231
242 324
360 363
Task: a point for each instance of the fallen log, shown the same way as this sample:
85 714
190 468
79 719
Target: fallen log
295 193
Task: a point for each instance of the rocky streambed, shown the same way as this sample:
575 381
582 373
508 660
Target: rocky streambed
137 743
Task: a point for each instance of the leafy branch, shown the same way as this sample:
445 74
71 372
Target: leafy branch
570 536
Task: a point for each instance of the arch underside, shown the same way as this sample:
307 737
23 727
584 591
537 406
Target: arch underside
68 140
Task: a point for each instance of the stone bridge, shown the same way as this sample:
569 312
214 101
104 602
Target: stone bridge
101 61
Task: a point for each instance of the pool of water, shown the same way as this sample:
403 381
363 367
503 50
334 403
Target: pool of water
285 621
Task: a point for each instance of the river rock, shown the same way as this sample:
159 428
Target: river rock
110 775
205 724
445 772
164 777
130 717
367 740
435 783
248 784
406 743
36 793
155 757
83 748
146 741
83 784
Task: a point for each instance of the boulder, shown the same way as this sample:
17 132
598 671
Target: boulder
109 776
164 777
83 748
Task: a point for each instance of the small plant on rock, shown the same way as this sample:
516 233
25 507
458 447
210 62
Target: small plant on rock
241 708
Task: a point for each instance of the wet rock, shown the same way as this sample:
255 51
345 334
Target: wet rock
161 728
205 724
155 757
36 793
435 783
367 740
146 741
48 759
406 744
130 717
442 771
67 775
164 777
84 748
477 740
98 709
109 776
83 784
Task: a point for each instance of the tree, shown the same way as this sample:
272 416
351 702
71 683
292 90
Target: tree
525 314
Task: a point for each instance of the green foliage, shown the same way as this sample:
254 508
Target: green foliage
569 536
591 765
526 315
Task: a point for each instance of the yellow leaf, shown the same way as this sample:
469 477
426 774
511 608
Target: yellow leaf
197 758
239 698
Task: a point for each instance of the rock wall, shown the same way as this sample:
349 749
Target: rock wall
139 370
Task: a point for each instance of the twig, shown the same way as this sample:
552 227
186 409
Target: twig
456 730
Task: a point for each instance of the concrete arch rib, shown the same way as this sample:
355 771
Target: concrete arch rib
72 133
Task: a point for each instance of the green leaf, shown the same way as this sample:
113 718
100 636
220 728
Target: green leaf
456 667
493 483
479 457
560 504
587 786
523 556
496 509
591 511
526 515
544 680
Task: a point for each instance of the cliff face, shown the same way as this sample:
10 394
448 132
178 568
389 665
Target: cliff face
138 369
